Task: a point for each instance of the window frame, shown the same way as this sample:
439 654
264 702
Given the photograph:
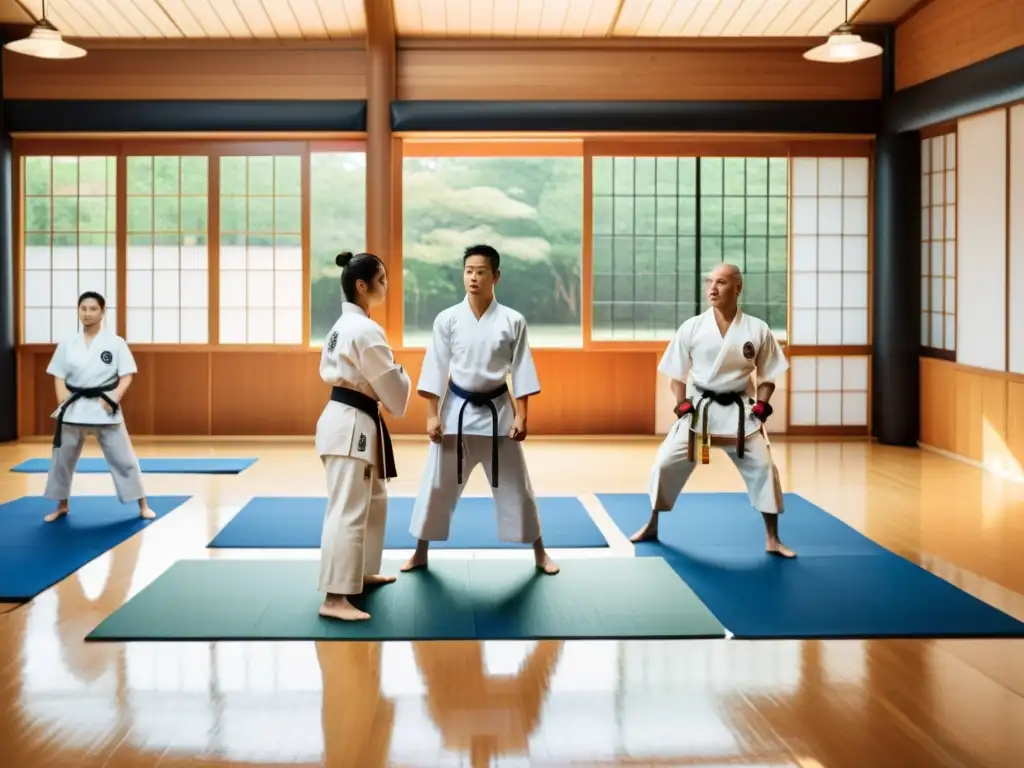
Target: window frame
585 145
211 146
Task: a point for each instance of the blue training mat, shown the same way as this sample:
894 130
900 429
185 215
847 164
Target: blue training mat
295 522
35 555
196 466
841 585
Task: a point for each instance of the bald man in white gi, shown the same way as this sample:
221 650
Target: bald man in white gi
712 361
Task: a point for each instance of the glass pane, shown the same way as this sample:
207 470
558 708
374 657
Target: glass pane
531 210
166 175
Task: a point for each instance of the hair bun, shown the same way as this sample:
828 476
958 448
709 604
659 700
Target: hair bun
342 259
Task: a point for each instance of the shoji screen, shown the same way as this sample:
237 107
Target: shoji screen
981 241
829 291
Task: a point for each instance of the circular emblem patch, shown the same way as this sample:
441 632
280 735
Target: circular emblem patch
106 357
748 351
332 342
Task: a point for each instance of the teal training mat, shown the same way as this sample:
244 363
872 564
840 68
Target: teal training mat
465 599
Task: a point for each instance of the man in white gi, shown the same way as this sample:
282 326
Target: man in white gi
92 371
718 351
479 344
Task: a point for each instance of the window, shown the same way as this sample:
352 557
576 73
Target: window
529 208
829 391
646 273
167 287
830 251
70 242
744 220
938 242
661 224
261 250
337 223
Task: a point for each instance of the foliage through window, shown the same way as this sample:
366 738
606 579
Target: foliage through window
529 209
261 250
70 243
167 282
662 223
337 223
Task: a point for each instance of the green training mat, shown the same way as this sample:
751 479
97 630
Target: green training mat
600 598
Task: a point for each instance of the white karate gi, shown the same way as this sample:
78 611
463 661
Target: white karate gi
479 356
91 365
700 356
355 356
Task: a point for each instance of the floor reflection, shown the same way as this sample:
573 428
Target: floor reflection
815 704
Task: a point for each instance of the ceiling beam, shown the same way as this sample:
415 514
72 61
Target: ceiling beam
615 20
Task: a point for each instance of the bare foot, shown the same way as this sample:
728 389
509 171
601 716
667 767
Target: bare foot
648 533
415 563
374 579
57 514
341 608
547 565
147 514
776 547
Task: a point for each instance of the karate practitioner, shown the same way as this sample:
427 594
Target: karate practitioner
719 350
352 439
91 373
479 344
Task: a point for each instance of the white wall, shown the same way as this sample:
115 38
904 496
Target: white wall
1017 239
981 241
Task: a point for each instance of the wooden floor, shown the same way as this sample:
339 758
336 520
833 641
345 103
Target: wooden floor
905 704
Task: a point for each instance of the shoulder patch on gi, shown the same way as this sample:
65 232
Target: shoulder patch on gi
332 342
106 357
748 351
361 445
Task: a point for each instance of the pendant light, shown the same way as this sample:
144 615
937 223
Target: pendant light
45 42
843 46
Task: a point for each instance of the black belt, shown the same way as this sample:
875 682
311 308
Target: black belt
77 393
480 398
366 404
722 398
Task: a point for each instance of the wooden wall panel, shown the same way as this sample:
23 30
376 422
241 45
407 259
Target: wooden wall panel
946 35
975 414
184 392
628 74
194 73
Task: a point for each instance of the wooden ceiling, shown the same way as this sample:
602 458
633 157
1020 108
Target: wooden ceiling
526 19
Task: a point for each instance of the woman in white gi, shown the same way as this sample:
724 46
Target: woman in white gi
353 441
91 373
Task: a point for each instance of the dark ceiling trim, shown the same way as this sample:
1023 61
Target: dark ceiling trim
991 83
861 117
58 116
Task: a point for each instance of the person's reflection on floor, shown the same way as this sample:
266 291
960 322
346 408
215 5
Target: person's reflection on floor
484 715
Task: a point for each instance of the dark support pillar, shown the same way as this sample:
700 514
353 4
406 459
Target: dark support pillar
8 361
896 316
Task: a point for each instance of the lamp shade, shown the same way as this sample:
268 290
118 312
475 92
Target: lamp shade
45 43
843 47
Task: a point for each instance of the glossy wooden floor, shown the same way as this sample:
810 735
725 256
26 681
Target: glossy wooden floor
906 704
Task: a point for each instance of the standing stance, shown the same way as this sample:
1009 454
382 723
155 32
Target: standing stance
720 349
352 438
91 372
479 344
